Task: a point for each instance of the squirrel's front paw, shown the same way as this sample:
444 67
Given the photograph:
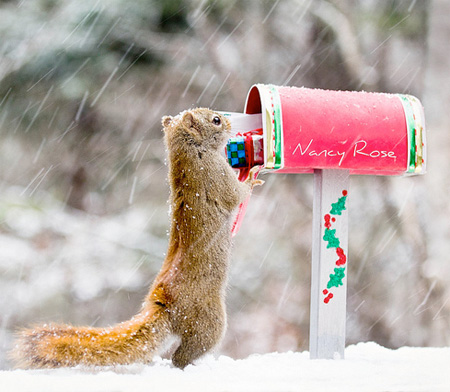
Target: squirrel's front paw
254 171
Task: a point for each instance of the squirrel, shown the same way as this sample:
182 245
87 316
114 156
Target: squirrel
187 298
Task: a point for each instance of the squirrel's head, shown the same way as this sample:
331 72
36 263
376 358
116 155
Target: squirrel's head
198 127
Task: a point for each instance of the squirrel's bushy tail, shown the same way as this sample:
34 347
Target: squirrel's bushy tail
54 345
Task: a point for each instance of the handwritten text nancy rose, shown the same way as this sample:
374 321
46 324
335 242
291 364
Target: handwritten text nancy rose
359 148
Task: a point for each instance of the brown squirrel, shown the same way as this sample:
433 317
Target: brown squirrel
186 299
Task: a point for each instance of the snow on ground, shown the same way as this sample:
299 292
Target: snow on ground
367 367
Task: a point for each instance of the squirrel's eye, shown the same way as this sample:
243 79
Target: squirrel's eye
216 120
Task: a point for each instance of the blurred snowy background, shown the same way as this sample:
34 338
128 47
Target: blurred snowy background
83 191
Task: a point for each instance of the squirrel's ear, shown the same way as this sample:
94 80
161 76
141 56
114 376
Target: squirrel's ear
188 119
166 120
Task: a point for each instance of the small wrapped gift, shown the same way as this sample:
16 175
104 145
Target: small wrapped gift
245 151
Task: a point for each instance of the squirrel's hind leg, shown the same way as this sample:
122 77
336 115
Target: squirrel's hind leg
190 349
196 342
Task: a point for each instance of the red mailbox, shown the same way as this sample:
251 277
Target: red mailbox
332 134
366 133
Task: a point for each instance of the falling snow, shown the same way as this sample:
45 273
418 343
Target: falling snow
83 189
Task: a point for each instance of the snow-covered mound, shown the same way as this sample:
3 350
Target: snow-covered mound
367 367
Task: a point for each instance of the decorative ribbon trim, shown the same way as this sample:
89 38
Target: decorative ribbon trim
416 137
271 108
277 128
